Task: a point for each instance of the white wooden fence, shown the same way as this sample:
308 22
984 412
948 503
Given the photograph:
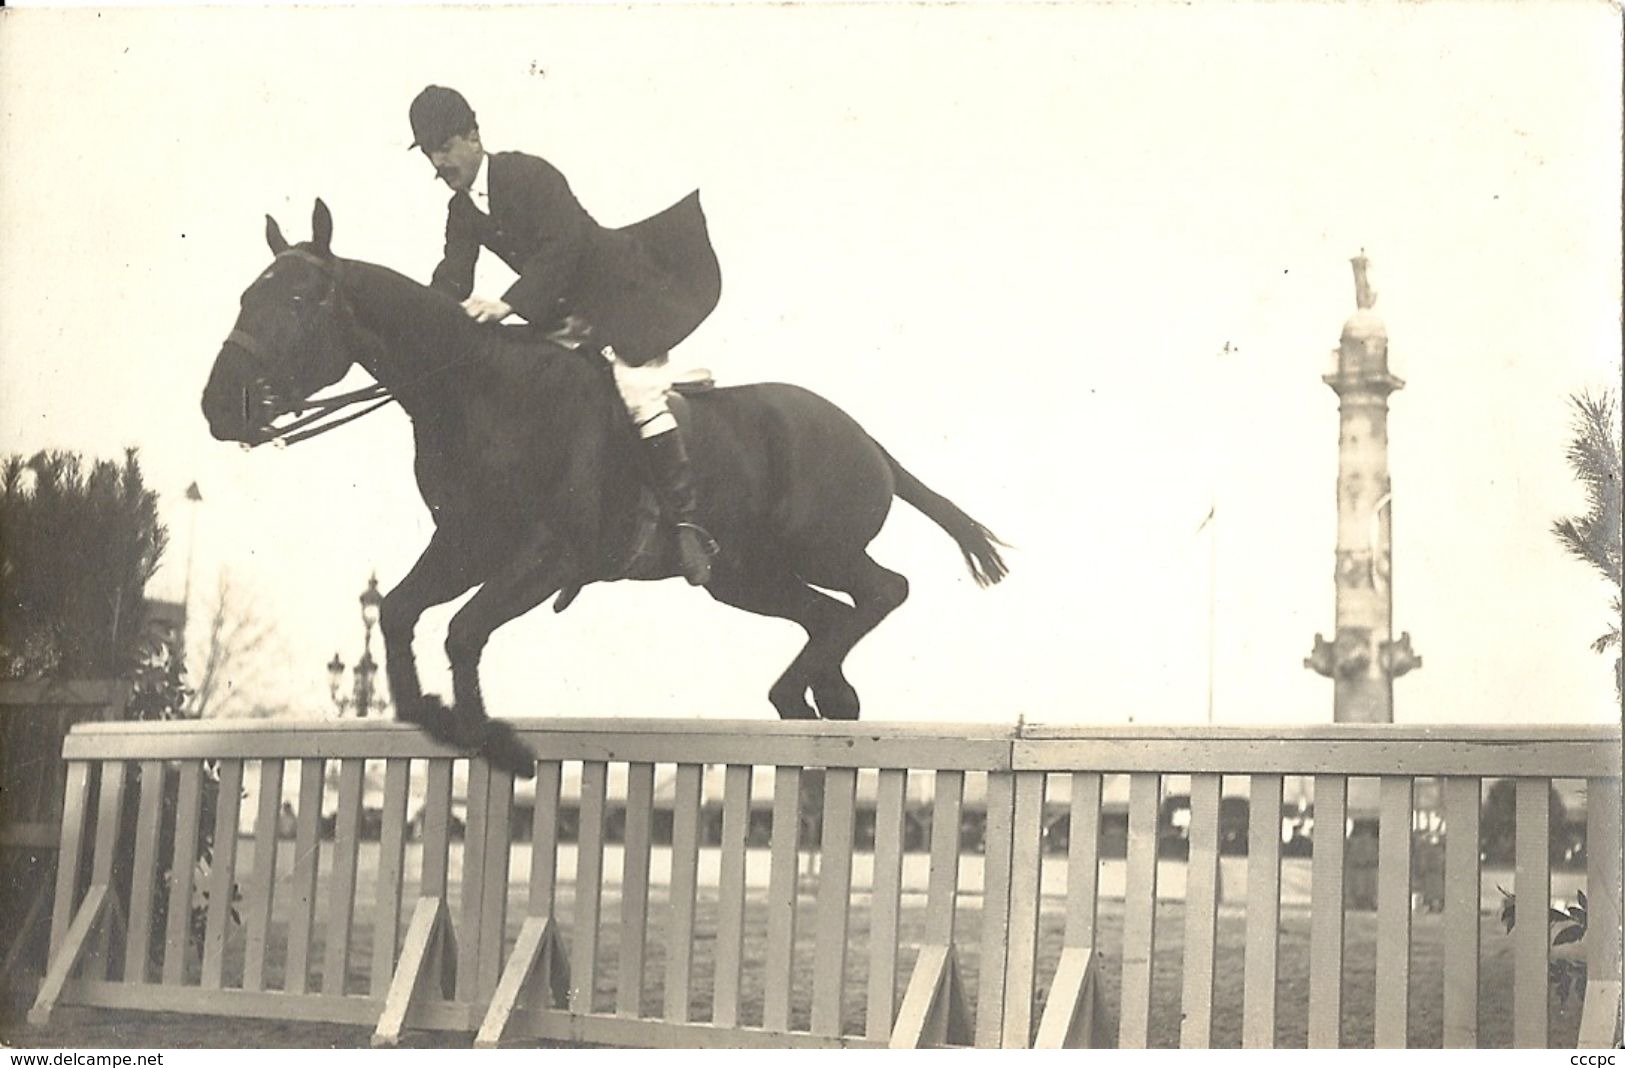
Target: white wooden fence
580 964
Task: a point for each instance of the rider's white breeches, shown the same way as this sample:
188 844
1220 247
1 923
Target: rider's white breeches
643 391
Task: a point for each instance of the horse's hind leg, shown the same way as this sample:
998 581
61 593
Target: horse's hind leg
781 594
876 592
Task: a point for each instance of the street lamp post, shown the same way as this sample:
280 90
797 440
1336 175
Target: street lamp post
371 603
366 669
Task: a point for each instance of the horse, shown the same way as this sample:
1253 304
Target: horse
531 470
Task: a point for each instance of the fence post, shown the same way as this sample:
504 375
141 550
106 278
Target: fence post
996 877
1026 889
1600 1018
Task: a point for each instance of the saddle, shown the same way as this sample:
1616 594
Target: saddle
575 333
652 551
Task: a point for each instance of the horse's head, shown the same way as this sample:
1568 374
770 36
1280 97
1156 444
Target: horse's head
292 337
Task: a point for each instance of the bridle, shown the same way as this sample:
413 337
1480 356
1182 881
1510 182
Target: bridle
320 408
301 428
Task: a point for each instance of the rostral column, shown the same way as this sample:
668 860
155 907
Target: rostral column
1363 659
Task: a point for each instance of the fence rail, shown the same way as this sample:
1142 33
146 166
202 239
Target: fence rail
838 951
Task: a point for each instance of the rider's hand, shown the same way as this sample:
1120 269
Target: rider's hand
486 311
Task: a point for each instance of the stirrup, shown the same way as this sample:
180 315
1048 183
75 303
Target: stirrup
708 544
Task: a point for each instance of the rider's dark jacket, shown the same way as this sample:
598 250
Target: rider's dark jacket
643 287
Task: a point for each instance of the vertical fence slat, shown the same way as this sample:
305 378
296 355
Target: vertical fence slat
999 816
108 828
144 872
1026 889
108 824
933 1010
222 872
731 894
177 929
492 882
1083 861
1462 886
640 789
544 839
891 789
1139 910
1326 916
1394 818
1531 937
781 898
1263 911
312 777
260 897
386 932
834 900
943 891
1201 913
1600 1019
589 885
341 889
436 829
472 898
434 881
685 860
75 798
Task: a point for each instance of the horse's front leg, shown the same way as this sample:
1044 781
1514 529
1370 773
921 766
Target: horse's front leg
441 574
511 591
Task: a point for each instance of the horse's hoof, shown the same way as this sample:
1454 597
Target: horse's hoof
836 699
790 702
431 715
505 752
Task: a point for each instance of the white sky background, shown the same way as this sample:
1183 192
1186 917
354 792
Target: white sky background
1011 242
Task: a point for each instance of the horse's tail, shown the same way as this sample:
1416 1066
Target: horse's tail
979 544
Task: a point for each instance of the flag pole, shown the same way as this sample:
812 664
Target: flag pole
193 496
1211 521
1212 601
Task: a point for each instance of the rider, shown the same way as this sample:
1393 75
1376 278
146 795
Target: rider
635 292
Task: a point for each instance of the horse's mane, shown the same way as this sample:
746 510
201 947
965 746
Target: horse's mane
405 299
444 339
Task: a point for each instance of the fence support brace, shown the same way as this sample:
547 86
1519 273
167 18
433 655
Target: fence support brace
97 903
933 1011
430 945
1072 1009
539 951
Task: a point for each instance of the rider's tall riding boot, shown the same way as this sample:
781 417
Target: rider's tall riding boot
675 487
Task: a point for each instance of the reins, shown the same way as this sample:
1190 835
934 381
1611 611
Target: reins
307 426
303 428
326 406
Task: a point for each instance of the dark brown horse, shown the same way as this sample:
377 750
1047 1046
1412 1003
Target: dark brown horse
527 462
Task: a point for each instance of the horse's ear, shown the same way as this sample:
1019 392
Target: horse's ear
321 228
274 238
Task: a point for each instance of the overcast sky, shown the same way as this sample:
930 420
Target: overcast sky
1011 241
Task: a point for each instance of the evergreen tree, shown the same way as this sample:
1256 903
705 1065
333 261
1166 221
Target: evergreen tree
77 548
1594 535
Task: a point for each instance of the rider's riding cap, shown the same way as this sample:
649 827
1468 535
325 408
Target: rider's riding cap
437 114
